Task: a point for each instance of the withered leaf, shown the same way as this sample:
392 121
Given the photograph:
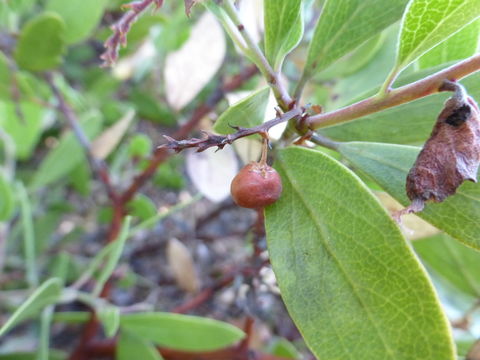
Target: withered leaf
450 156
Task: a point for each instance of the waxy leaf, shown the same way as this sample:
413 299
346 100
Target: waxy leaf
182 332
459 46
283 28
41 44
346 24
46 294
428 23
348 278
81 16
247 112
389 164
451 260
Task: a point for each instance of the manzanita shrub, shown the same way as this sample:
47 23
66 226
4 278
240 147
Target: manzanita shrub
360 86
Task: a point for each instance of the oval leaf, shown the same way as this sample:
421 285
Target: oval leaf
428 23
389 164
350 281
131 346
346 24
41 43
182 332
46 294
283 28
82 16
247 112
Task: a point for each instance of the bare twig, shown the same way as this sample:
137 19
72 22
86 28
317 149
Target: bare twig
99 167
161 154
212 140
122 27
421 88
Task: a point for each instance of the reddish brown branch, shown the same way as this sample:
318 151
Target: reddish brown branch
161 154
212 140
122 27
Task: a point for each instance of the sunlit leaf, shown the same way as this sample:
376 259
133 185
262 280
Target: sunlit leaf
348 278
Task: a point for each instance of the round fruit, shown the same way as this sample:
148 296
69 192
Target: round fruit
256 186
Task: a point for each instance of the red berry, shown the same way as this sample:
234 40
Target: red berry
256 186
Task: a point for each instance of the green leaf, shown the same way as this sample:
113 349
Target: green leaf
66 155
247 112
41 45
459 46
113 257
131 346
283 28
348 278
453 261
346 24
389 164
353 61
182 332
409 123
284 348
109 316
142 207
71 317
81 16
54 355
25 132
7 203
46 294
428 23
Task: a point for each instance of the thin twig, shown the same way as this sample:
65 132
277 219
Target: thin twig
161 154
212 140
99 168
421 88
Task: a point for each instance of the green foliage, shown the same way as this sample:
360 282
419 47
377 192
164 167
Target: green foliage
451 260
351 282
46 294
459 46
41 43
131 346
66 155
247 112
81 16
25 132
283 28
346 24
175 331
326 273
428 23
7 205
388 164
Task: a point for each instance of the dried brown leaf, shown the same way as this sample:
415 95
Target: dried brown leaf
182 265
450 156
